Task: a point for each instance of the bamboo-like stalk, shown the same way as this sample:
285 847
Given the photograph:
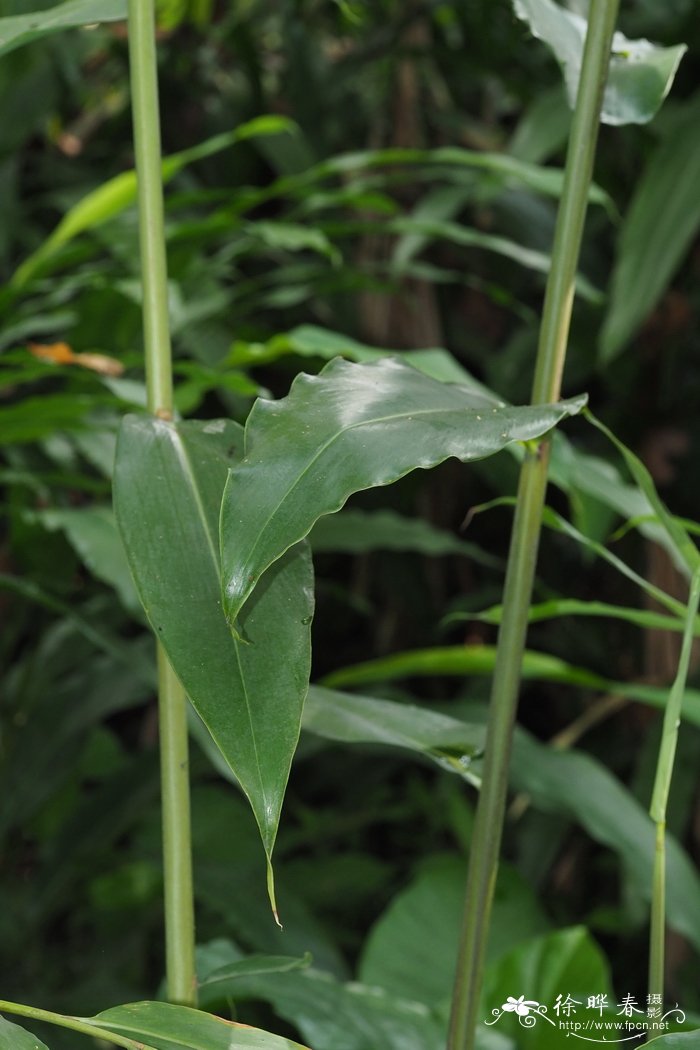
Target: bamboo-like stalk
551 354
659 798
177 859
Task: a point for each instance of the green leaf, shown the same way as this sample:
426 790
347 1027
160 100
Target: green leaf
676 1041
167 1027
357 532
12 1037
428 913
640 73
167 490
557 607
17 30
350 428
685 548
463 660
574 783
113 196
92 531
456 233
660 225
253 966
336 1016
366 720
567 962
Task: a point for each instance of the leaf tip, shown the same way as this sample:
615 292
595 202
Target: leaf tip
271 893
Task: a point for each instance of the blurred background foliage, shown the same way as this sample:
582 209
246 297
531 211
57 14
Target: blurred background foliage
394 185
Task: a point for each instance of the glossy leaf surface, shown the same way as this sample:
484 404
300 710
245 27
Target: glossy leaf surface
167 1027
168 484
350 428
640 73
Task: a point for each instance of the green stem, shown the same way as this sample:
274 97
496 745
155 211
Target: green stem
488 827
77 1024
177 858
662 787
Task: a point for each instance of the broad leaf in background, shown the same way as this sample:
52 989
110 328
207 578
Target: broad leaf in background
676 1041
575 783
335 1016
113 196
167 1027
167 489
92 531
17 30
12 1037
660 225
427 913
567 962
640 73
350 428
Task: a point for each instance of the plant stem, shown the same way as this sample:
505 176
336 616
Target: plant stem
172 703
532 487
77 1024
659 798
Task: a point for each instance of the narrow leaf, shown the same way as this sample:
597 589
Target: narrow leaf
684 546
167 489
119 193
640 73
252 966
557 607
350 428
16 30
480 660
661 224
168 1027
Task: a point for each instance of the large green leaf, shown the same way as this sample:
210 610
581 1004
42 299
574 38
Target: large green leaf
660 225
567 962
350 428
428 913
335 1016
16 30
167 489
167 1027
640 74
677 1041
12 1037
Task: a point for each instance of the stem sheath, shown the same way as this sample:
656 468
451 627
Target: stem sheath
172 703
551 354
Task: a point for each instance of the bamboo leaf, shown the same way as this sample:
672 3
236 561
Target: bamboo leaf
168 484
640 73
350 428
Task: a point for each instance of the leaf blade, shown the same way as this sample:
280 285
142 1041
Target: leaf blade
350 428
168 484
